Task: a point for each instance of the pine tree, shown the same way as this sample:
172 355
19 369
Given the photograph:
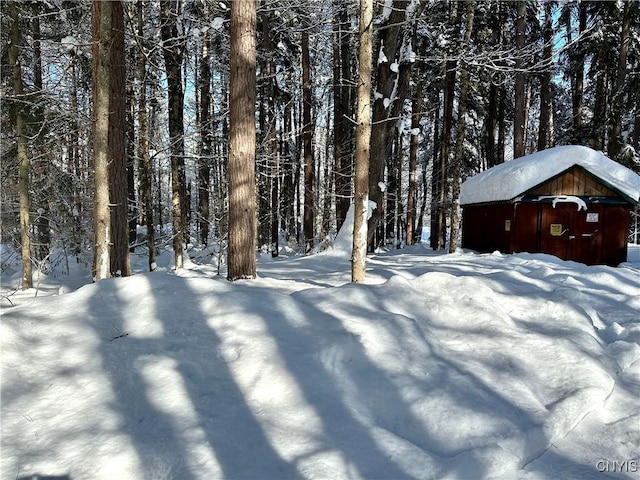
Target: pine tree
23 159
363 140
519 118
241 257
173 56
118 183
307 136
101 88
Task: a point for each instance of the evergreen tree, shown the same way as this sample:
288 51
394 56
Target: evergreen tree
242 142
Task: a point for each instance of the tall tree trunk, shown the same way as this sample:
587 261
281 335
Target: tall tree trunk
544 128
262 162
416 115
288 217
491 121
458 154
599 111
102 42
387 105
436 176
270 140
145 168
172 50
242 142
440 193
618 95
79 187
342 163
299 206
118 193
41 222
307 133
133 210
206 141
576 69
502 119
363 140
519 118
496 104
23 159
578 87
423 205
388 226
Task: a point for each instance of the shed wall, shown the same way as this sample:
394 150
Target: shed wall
486 228
596 236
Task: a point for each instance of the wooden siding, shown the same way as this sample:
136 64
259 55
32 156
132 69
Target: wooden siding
487 228
616 234
526 234
575 181
595 237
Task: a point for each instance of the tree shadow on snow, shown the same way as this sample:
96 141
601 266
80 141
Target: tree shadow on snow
180 405
37 476
363 415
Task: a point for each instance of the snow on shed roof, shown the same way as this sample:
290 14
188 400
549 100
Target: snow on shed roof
506 181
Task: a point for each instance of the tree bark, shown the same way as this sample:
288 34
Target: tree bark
416 115
439 193
616 143
145 167
578 87
363 140
271 140
458 154
386 107
102 42
544 128
206 140
23 159
502 107
118 184
436 176
576 71
242 142
307 134
342 161
41 223
173 55
519 118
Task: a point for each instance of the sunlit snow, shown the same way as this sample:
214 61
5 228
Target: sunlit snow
439 366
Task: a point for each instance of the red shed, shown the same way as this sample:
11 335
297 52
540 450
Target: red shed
572 202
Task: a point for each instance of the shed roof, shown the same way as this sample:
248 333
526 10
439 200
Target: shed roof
508 180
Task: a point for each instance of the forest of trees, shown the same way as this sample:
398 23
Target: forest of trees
135 126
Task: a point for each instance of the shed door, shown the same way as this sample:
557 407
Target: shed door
556 229
588 232
571 234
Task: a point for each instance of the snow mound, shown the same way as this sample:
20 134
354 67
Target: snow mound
460 366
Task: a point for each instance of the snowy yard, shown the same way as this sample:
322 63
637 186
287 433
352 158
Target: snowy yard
441 366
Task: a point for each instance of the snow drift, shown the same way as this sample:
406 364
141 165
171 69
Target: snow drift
456 366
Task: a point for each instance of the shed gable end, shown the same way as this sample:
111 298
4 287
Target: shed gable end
574 181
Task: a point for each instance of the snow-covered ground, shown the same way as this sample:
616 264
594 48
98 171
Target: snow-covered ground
439 366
